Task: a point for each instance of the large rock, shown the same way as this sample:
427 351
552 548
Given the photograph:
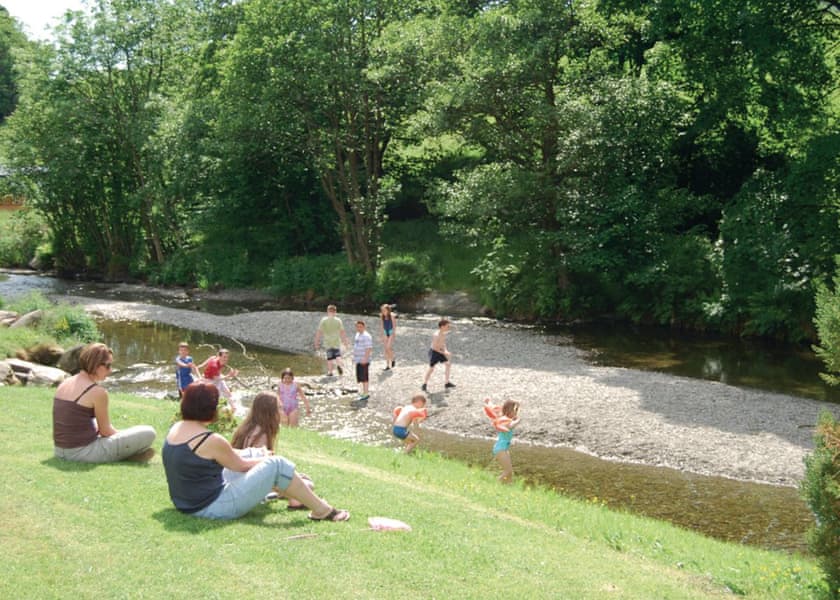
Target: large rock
69 361
7 374
45 354
35 374
30 318
7 317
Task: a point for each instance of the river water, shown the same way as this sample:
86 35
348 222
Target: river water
763 515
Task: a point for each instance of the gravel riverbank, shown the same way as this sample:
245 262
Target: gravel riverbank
614 413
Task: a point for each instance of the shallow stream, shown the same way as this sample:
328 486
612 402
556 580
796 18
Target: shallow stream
768 516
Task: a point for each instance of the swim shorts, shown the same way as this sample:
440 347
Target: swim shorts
436 357
400 432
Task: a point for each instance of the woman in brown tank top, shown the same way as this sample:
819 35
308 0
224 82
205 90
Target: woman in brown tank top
82 429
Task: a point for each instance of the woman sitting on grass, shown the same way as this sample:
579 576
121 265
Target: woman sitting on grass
257 435
82 429
194 456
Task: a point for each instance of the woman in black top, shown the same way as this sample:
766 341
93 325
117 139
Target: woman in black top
194 456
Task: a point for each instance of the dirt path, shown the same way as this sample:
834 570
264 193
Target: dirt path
614 413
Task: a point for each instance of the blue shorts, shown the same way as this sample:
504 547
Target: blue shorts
389 332
436 357
400 432
333 353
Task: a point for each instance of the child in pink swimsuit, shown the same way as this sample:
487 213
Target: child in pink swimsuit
289 397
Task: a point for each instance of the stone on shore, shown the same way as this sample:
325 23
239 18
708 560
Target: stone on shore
34 374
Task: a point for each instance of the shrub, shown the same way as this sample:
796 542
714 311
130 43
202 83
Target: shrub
325 276
401 277
61 323
827 322
821 490
20 236
69 323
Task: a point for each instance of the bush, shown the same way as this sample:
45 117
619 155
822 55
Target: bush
325 276
21 235
827 322
821 490
61 323
402 277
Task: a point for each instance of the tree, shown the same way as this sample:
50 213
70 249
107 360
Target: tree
85 130
10 38
308 65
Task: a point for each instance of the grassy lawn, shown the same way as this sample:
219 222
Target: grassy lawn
82 531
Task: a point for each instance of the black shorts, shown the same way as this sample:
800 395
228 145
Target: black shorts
436 357
333 353
361 372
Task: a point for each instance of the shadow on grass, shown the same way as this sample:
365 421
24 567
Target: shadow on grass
138 460
174 520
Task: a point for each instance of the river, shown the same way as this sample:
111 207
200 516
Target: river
768 516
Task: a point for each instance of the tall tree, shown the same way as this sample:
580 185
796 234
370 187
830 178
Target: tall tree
310 62
85 128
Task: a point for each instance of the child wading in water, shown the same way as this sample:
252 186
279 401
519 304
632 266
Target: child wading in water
257 434
504 419
214 368
185 370
404 416
291 394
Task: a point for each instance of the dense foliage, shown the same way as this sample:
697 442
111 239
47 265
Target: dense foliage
821 489
661 162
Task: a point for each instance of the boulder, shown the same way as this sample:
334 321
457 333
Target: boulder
45 354
7 317
29 319
35 374
7 374
69 361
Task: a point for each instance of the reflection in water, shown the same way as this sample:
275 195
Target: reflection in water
761 364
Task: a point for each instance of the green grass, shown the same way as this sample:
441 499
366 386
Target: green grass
81 531
450 261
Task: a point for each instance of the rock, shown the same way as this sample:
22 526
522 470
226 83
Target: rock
69 361
7 374
45 354
7 317
29 319
36 374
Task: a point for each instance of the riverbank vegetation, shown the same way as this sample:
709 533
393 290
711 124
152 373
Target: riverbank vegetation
80 530
654 162
58 324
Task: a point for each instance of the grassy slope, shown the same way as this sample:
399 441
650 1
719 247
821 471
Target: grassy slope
85 531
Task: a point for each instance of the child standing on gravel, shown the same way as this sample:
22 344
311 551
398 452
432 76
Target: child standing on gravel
439 354
405 416
504 419
332 330
362 351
